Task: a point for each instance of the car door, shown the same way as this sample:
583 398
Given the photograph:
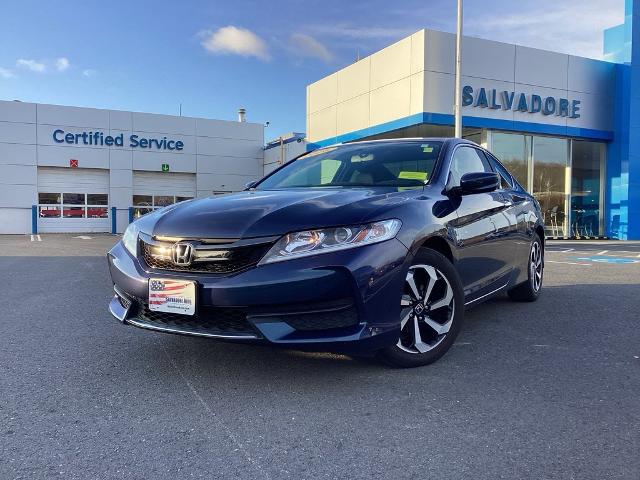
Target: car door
481 229
518 206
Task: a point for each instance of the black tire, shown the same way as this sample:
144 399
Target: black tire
530 290
450 316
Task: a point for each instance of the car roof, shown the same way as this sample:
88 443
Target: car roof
444 140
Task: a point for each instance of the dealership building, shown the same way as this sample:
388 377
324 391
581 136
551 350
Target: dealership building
567 127
70 169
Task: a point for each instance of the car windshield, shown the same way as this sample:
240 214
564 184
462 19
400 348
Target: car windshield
404 164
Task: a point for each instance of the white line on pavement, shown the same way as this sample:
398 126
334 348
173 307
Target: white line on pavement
38 237
602 252
569 263
217 418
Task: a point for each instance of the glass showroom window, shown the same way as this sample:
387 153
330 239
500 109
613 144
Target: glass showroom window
550 175
73 205
144 204
514 151
587 160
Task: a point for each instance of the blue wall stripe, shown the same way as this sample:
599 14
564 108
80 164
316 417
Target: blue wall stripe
478 122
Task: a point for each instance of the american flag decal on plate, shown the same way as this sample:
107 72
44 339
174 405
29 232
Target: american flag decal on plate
172 296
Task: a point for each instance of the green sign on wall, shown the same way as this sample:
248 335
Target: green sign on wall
165 167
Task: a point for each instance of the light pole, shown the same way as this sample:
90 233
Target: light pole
457 107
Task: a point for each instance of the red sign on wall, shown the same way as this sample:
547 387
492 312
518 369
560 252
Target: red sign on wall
73 163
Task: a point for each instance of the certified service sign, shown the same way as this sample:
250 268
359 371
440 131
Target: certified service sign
99 139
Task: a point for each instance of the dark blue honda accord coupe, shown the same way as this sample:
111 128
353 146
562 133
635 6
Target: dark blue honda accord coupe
373 247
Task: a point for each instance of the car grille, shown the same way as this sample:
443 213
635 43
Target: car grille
211 321
240 258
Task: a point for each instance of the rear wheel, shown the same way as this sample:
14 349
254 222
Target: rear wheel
431 312
529 291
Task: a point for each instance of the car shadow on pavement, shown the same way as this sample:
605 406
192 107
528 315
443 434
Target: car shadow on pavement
564 315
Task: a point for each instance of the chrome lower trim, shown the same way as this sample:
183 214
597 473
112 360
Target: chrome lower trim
149 326
487 294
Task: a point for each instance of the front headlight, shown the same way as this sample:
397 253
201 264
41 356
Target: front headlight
313 242
130 238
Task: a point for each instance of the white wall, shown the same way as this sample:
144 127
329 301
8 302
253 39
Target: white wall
18 155
416 75
278 155
223 154
377 89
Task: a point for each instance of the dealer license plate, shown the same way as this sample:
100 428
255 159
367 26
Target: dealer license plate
172 296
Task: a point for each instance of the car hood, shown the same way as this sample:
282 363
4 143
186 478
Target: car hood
273 212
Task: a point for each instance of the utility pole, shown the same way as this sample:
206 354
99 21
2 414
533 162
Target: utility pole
457 104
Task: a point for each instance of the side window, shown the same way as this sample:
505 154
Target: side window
467 160
506 182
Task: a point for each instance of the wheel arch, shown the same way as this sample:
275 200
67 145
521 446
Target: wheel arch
540 231
440 245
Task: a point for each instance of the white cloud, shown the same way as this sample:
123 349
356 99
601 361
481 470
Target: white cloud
32 65
571 26
89 72
6 73
235 41
306 46
62 64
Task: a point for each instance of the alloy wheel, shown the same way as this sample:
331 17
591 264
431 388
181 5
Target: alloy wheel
535 266
427 309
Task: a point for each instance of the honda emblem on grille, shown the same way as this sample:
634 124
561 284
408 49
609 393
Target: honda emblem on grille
182 254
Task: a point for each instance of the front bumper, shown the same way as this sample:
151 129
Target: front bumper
345 301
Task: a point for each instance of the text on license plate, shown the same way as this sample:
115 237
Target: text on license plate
172 296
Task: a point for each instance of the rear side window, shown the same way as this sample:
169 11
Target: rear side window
467 160
506 181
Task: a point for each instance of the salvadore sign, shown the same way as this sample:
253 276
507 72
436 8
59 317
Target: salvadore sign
520 102
99 139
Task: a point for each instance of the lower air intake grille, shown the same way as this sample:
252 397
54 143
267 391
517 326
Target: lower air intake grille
323 320
207 321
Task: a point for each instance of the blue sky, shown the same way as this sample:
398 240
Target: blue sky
214 57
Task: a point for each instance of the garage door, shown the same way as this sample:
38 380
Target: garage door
158 189
73 200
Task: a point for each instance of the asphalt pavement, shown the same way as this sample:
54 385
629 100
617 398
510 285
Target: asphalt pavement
548 390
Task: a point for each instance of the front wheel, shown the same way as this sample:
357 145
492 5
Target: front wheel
431 312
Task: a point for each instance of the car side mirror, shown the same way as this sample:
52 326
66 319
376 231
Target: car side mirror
250 185
479 182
